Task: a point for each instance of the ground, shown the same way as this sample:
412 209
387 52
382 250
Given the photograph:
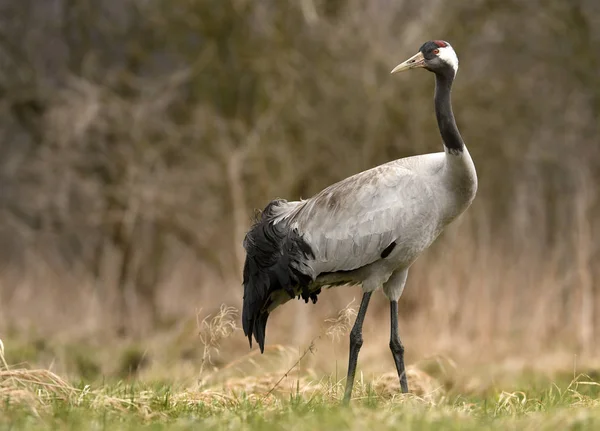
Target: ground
39 399
99 384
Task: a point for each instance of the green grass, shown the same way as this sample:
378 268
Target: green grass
275 392
47 405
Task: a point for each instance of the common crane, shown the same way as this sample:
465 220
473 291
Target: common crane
366 229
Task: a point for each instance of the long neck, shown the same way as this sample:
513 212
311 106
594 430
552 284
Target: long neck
445 118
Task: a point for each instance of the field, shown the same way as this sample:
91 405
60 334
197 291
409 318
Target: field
37 399
281 390
140 139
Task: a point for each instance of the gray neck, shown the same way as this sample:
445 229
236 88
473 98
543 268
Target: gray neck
443 111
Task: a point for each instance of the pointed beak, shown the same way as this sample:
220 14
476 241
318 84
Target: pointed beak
415 61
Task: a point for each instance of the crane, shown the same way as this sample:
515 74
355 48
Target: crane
367 229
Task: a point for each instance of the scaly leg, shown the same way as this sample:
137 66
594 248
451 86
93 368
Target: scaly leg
355 345
396 346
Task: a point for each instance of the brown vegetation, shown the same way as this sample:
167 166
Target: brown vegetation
138 138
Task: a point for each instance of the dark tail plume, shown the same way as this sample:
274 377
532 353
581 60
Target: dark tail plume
276 259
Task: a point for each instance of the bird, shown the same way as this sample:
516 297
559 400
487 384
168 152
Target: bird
367 229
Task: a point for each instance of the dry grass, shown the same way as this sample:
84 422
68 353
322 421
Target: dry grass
213 330
34 388
256 387
39 399
39 388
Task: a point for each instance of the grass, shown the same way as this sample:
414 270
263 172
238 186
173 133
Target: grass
39 399
132 406
277 391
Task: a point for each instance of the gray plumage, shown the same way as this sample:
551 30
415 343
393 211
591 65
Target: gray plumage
407 201
368 228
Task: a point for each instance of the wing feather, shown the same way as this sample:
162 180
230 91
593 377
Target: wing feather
350 223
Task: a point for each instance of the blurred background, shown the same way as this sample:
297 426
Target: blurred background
138 137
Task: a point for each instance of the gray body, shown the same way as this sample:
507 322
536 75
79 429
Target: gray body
347 225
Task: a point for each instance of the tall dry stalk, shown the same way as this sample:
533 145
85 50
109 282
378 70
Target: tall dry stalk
213 330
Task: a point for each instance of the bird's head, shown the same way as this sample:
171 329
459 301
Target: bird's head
436 56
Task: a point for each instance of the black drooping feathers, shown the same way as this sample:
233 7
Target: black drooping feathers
274 254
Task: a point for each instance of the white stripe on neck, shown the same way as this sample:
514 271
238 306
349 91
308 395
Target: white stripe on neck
448 55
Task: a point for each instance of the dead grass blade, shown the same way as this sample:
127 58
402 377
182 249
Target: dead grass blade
214 330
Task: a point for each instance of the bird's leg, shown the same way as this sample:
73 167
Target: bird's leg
355 345
396 347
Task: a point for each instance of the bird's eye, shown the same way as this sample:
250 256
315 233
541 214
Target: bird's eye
436 51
